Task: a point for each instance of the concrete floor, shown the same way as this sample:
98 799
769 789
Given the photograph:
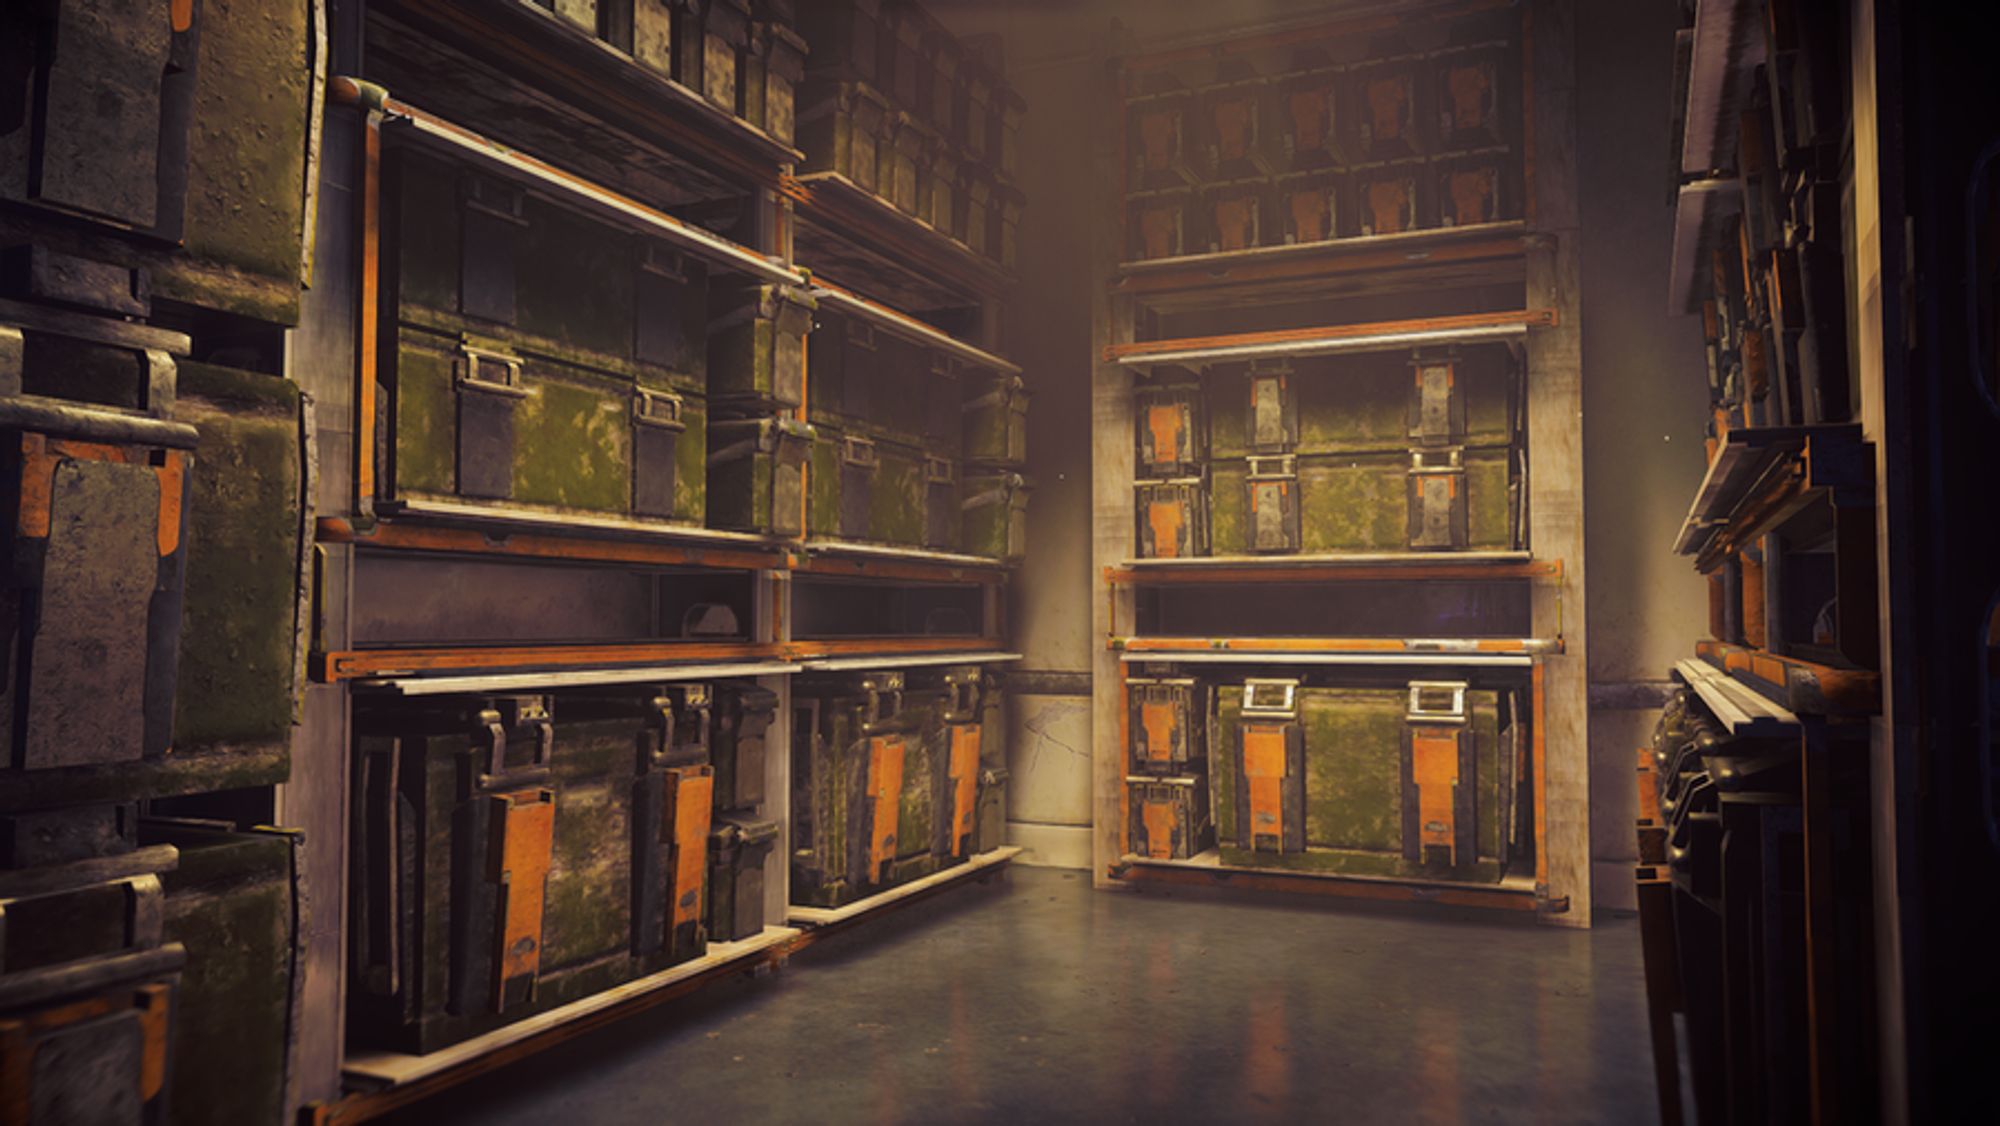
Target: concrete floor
1036 999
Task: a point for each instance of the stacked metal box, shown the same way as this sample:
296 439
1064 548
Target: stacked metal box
1355 137
905 111
513 853
744 57
1382 452
1358 776
891 780
758 446
154 509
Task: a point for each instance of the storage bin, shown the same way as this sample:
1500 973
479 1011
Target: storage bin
1169 818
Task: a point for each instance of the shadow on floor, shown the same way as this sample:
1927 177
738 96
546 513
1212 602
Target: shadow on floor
1034 998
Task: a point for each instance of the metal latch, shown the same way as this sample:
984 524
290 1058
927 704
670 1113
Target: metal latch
503 713
661 409
857 452
1437 701
489 370
1270 699
940 471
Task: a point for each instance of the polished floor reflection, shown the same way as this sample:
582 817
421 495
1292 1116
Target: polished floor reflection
1035 999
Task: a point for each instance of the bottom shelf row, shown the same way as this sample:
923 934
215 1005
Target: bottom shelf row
1345 773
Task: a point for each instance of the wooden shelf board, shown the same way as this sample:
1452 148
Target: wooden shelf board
1736 706
1444 258
1514 893
1744 461
825 556
980 864
377 1071
466 661
1326 340
1515 652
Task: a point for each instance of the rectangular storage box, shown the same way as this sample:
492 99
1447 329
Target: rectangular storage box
995 507
756 348
738 743
1311 206
1476 188
756 475
739 847
1390 199
543 359
1168 720
865 784
846 39
1310 118
1172 429
841 130
1407 779
1171 518
1240 215
867 490
1389 109
996 419
1169 817
1158 143
1236 129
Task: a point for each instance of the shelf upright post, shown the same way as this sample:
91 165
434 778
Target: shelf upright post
1555 451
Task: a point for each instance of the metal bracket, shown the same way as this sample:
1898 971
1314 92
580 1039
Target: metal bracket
661 409
478 361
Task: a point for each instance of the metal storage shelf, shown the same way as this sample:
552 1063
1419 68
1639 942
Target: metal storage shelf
1326 340
540 661
1491 652
906 326
1769 463
970 657
864 239
469 531
984 864
821 555
407 686
1701 210
1442 257
1386 566
1799 685
603 83
1205 870
1739 709
373 1075
1728 45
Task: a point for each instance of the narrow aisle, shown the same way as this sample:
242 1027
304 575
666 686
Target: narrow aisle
1036 999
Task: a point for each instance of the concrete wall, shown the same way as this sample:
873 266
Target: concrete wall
1644 402
1642 386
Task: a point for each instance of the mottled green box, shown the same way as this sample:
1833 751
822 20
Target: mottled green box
1360 502
757 348
544 360
1354 749
996 514
425 904
756 474
235 903
996 421
866 490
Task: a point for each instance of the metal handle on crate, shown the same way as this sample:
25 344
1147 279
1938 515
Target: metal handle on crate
858 452
1285 706
660 409
489 370
1427 707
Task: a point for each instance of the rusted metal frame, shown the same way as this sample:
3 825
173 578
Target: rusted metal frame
1183 874
1780 494
1463 322
333 667
912 570
835 204
885 646
1316 261
1538 705
574 189
1124 754
663 105
1444 649
906 326
368 315
1332 573
394 536
1358 24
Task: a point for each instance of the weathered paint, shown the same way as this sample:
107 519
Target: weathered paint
1354 503
587 910
237 637
231 903
896 507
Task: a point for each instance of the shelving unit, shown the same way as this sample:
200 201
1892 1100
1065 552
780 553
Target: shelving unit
1495 284
533 599
1763 745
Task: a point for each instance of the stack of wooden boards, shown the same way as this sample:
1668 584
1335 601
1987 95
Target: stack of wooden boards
1350 774
927 123
1268 143
1374 452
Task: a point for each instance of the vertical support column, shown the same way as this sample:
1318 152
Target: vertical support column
1555 454
1111 544
774 626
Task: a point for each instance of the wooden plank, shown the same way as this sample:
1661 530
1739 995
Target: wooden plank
1411 567
982 864
389 535
1317 339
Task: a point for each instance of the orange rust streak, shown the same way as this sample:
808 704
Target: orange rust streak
692 794
1312 644
1541 317
1538 691
1264 768
38 469
180 15
965 739
154 1003
521 865
370 312
404 537
1435 765
173 478
886 646
1157 720
885 795
1159 818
